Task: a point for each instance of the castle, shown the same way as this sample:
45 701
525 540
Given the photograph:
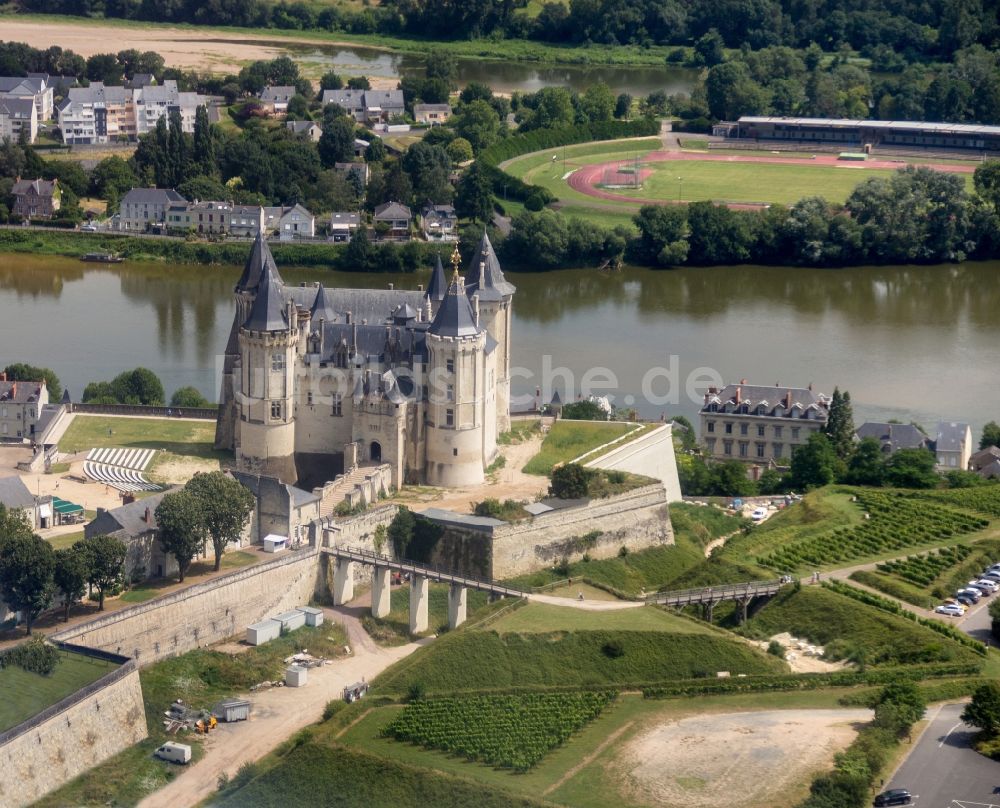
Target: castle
317 381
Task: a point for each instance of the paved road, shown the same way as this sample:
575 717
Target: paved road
943 771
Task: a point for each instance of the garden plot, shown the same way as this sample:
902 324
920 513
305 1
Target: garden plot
740 760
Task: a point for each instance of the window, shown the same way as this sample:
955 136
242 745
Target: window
727 448
710 426
276 409
760 430
779 449
449 417
277 361
760 450
338 404
795 433
743 448
450 365
309 397
777 432
744 428
451 392
729 429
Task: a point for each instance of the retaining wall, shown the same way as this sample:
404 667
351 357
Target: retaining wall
70 737
203 614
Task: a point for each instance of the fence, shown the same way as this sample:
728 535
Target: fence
204 413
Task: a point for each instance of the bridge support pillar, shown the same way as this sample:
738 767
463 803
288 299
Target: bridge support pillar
456 605
380 592
743 603
343 582
419 594
707 610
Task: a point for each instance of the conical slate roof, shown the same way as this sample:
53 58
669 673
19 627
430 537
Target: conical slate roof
259 258
454 316
484 276
268 310
322 307
438 287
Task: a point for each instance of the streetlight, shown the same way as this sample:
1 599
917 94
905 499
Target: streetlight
680 189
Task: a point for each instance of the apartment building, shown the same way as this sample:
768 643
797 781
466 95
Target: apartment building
34 88
18 116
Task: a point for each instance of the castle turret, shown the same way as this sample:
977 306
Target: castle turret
457 379
437 288
268 339
485 279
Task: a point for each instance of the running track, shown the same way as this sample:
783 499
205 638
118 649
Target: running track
586 178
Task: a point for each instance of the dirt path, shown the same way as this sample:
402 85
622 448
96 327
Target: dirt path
277 715
587 605
614 736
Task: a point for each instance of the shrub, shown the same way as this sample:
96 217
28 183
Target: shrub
534 203
570 481
416 691
34 656
775 648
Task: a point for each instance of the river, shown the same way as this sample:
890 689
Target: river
913 343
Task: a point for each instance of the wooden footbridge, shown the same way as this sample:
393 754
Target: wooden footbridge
708 596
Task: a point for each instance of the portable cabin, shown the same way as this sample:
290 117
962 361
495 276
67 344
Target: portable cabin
356 691
273 543
233 710
295 676
291 620
262 632
314 616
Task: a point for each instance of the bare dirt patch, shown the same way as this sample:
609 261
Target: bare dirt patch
802 656
740 760
171 469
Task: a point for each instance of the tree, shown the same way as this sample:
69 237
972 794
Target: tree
553 109
991 435
902 705
597 103
203 143
20 372
866 466
188 397
815 463
225 508
70 575
984 709
729 479
336 144
139 386
331 81
105 560
27 563
400 531
474 198
570 481
731 92
663 234
459 150
623 105
912 468
181 521
111 179
584 410
428 167
479 124
839 427
711 48
359 83
298 108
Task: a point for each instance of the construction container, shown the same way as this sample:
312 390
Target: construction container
290 620
233 710
262 632
356 691
314 616
273 543
296 676
174 752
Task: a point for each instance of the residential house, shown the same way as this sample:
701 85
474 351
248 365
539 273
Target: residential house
279 508
893 437
361 147
60 85
141 80
351 101
18 116
395 219
209 217
156 101
360 170
758 424
983 458
953 446
134 523
309 128
433 114
343 226
34 87
439 223
290 222
275 99
368 106
36 199
97 114
15 496
143 209
246 221
21 406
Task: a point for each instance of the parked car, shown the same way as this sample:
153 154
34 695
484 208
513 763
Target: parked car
759 515
991 575
969 592
952 602
993 567
88 228
950 609
894 796
985 585
966 600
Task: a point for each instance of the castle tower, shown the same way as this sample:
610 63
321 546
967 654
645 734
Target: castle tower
436 289
455 422
260 258
268 341
485 279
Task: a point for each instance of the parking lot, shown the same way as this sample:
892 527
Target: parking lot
944 771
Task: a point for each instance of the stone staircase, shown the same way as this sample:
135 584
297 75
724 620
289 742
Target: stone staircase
332 494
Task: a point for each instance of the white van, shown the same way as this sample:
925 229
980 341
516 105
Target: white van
174 752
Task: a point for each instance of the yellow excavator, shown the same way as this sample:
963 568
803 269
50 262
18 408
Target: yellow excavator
206 725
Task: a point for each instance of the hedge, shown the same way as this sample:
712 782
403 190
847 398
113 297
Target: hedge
540 139
931 692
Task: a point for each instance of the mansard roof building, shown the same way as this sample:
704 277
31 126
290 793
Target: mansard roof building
319 381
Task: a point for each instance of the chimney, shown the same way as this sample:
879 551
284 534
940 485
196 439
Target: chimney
475 307
420 287
347 316
3 376
743 381
739 394
392 286
810 387
149 516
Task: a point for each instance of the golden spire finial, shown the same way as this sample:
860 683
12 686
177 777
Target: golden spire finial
456 259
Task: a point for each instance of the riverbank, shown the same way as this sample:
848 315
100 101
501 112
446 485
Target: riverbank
223 55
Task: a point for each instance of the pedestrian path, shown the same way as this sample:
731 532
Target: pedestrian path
120 468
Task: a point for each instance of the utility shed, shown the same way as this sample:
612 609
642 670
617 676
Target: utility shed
233 710
295 676
262 632
273 543
291 620
314 616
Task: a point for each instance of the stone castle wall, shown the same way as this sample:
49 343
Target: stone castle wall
638 519
70 737
203 614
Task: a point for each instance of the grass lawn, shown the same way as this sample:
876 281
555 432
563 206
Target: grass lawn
177 436
148 590
65 540
542 617
567 440
394 629
28 693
